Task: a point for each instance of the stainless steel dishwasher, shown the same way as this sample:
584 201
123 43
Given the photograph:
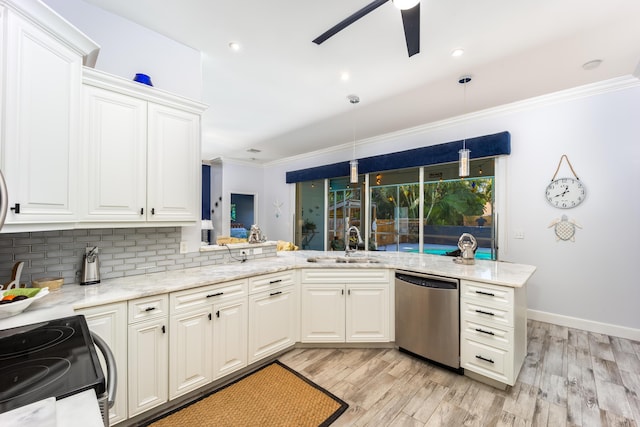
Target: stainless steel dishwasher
428 317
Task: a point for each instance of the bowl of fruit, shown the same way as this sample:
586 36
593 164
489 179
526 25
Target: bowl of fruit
15 301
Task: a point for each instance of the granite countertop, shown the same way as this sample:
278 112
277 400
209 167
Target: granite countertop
72 296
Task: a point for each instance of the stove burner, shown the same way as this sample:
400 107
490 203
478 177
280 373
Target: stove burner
29 343
30 376
56 358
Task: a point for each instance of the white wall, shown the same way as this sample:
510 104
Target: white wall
127 48
591 280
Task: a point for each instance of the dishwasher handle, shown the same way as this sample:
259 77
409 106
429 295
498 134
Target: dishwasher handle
112 376
428 281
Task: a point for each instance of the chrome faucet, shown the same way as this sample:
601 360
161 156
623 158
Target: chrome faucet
347 250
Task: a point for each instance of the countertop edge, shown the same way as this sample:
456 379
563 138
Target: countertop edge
77 297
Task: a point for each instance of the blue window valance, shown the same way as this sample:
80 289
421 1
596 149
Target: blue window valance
482 146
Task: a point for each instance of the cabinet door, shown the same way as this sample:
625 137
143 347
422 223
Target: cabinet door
190 351
174 165
114 156
110 323
322 313
272 320
367 313
148 365
229 337
41 118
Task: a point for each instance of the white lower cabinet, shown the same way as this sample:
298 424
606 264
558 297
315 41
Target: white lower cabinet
148 361
208 335
345 305
493 330
110 323
190 350
273 321
229 336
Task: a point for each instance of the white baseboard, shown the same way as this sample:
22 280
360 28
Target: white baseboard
585 325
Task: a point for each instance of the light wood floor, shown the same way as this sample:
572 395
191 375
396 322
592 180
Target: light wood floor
570 378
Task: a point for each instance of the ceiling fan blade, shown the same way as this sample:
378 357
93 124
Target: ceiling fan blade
411 23
349 20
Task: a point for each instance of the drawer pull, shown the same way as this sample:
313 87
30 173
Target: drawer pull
275 281
485 359
484 332
217 294
149 309
486 293
485 312
275 293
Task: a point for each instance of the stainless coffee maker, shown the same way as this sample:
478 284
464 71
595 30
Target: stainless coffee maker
90 267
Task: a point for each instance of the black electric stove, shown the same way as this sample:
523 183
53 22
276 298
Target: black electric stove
56 358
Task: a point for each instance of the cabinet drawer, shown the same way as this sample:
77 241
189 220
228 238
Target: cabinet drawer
345 275
488 294
490 335
271 281
501 317
486 360
148 308
206 295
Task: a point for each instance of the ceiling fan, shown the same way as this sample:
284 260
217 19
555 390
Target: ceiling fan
410 10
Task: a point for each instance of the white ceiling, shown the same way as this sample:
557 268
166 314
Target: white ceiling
283 95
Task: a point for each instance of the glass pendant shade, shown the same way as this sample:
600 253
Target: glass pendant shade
354 171
464 162
405 4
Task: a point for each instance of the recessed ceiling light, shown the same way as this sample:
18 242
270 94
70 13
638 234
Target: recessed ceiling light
344 76
235 46
592 65
457 52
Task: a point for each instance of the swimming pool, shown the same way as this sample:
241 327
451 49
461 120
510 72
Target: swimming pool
481 253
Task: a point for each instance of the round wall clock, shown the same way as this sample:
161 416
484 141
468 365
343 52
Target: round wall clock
565 193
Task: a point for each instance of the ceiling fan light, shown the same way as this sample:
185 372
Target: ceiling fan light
405 4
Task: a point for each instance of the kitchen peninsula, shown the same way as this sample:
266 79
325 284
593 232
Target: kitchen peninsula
149 318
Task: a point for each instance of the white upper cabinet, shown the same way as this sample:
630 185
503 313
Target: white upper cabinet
41 97
115 156
173 186
140 154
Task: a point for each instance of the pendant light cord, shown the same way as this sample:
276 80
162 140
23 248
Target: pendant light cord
464 80
353 99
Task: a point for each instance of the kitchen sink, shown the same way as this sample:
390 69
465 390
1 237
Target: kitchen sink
343 259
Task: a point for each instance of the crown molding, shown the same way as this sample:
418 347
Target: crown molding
579 92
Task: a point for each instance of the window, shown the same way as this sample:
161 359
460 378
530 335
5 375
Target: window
310 214
394 211
344 211
423 209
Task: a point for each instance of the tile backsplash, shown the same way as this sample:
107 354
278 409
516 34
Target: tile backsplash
122 252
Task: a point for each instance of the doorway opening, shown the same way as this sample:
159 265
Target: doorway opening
242 214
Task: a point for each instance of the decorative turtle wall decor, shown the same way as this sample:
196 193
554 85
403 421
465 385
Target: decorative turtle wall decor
565 228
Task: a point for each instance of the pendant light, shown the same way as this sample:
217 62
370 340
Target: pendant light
464 153
353 164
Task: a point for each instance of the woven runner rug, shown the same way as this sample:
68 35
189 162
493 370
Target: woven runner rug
274 395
